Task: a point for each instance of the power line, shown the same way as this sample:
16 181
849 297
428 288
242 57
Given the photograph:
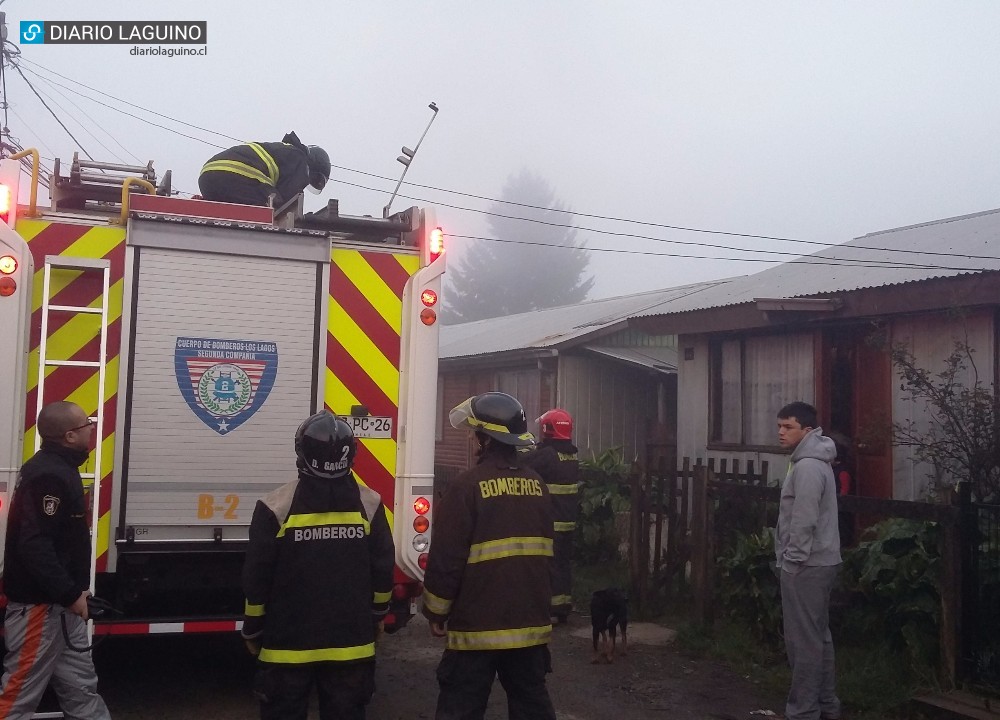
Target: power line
83 127
833 262
510 202
629 220
138 107
613 233
125 112
83 112
61 123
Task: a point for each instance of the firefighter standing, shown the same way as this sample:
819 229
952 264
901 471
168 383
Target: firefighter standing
555 460
251 173
317 579
47 574
487 576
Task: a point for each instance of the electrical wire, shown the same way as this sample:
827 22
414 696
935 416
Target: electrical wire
613 233
83 112
510 202
834 262
26 124
83 127
61 123
630 220
138 107
131 115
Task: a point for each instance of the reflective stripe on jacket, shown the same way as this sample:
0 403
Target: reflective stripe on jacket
556 462
318 572
488 569
282 166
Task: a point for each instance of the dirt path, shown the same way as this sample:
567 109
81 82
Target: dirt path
652 681
211 677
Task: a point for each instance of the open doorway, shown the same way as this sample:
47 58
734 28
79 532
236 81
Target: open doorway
856 374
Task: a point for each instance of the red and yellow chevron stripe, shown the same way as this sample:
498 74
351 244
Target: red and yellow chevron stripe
362 357
77 337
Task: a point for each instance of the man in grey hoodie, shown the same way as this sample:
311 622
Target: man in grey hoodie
807 545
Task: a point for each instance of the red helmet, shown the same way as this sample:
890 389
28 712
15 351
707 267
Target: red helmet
556 424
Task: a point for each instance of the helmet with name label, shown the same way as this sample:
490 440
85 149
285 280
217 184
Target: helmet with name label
495 414
325 446
556 424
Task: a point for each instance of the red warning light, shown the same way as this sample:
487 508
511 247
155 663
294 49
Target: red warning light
428 317
435 243
8 264
429 298
421 523
7 286
5 203
421 506
422 561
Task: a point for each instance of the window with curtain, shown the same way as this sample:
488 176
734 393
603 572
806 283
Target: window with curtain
751 379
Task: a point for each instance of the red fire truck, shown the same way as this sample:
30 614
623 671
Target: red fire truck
198 335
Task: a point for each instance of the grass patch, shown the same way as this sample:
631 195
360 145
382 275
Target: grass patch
872 681
736 646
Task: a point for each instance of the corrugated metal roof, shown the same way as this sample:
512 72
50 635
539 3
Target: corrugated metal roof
555 327
661 359
969 244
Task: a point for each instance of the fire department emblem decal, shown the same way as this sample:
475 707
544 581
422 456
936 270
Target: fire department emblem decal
225 381
50 504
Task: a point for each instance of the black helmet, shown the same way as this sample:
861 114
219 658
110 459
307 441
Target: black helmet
319 167
495 414
325 446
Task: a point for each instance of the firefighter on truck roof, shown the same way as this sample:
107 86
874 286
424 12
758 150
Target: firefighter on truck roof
252 173
487 582
317 580
555 459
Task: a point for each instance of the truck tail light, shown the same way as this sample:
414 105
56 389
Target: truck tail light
8 266
6 202
435 243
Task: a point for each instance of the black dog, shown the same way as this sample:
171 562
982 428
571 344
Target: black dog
608 613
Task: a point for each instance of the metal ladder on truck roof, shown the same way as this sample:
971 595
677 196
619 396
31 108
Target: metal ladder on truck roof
82 265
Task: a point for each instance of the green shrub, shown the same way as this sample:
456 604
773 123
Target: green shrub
748 588
893 579
605 493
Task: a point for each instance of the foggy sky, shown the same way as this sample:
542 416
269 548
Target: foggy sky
805 120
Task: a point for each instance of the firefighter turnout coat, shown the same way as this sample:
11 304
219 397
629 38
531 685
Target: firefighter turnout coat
556 461
488 571
318 572
252 172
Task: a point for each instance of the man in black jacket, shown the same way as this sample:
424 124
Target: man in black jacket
47 574
317 580
250 174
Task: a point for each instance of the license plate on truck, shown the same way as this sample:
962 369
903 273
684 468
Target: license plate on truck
369 426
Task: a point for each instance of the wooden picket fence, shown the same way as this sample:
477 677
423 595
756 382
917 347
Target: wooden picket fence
687 502
663 507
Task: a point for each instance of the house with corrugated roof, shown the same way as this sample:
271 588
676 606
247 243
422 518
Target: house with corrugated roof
620 384
819 329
